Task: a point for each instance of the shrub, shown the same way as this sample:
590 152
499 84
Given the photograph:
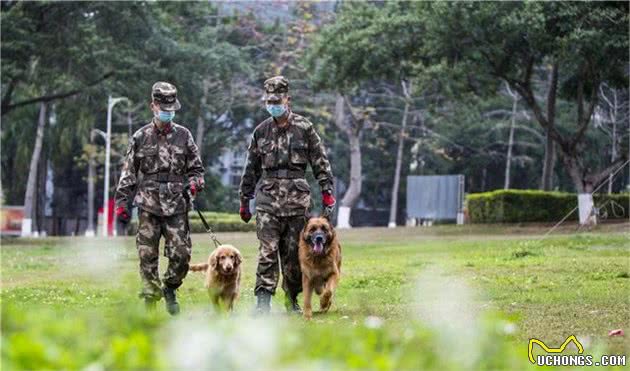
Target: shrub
219 222
514 206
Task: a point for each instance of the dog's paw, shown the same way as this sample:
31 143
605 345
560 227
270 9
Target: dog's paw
308 315
325 301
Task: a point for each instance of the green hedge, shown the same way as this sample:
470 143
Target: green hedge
516 206
219 222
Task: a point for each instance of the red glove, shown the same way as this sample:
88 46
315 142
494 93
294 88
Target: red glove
122 214
246 215
328 199
195 185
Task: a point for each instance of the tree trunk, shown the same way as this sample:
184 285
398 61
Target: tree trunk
201 125
587 184
40 193
91 180
393 209
548 164
508 157
583 188
613 156
201 131
574 169
550 149
31 184
353 192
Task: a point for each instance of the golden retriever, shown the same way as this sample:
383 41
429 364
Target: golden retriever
223 275
320 261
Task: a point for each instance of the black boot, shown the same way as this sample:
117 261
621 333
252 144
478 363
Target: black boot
291 303
172 306
263 302
149 304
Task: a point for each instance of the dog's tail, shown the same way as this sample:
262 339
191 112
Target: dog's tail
201 267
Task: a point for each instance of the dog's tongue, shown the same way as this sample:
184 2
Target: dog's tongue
318 247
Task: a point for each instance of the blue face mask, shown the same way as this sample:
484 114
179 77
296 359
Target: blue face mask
276 110
166 116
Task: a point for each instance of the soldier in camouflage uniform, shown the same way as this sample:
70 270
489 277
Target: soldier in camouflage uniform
279 151
162 163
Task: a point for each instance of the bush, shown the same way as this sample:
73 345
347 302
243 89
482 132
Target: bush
514 206
219 222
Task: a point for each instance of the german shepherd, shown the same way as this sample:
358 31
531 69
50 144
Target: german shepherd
320 261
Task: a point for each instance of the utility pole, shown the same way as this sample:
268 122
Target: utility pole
393 208
111 102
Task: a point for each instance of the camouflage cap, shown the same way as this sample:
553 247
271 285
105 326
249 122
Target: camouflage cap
276 88
165 94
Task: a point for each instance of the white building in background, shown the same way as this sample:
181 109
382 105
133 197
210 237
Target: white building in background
230 167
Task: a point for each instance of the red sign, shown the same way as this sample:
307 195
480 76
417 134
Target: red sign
11 220
110 217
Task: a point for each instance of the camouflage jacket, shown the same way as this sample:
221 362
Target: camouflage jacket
158 165
279 157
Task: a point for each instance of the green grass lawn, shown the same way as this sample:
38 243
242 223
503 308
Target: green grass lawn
444 297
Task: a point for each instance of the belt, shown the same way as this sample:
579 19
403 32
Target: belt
283 173
164 177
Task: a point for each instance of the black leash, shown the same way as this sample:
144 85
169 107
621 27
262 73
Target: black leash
213 236
191 203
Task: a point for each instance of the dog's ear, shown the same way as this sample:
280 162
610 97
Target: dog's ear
238 258
213 260
327 214
304 232
306 223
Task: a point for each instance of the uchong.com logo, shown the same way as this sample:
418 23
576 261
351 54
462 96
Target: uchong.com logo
554 358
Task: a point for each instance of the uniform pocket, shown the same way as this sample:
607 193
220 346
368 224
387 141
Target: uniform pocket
267 153
148 159
178 159
267 185
299 194
267 196
148 194
176 188
299 152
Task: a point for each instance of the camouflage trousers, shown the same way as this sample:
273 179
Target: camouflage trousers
278 238
177 249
